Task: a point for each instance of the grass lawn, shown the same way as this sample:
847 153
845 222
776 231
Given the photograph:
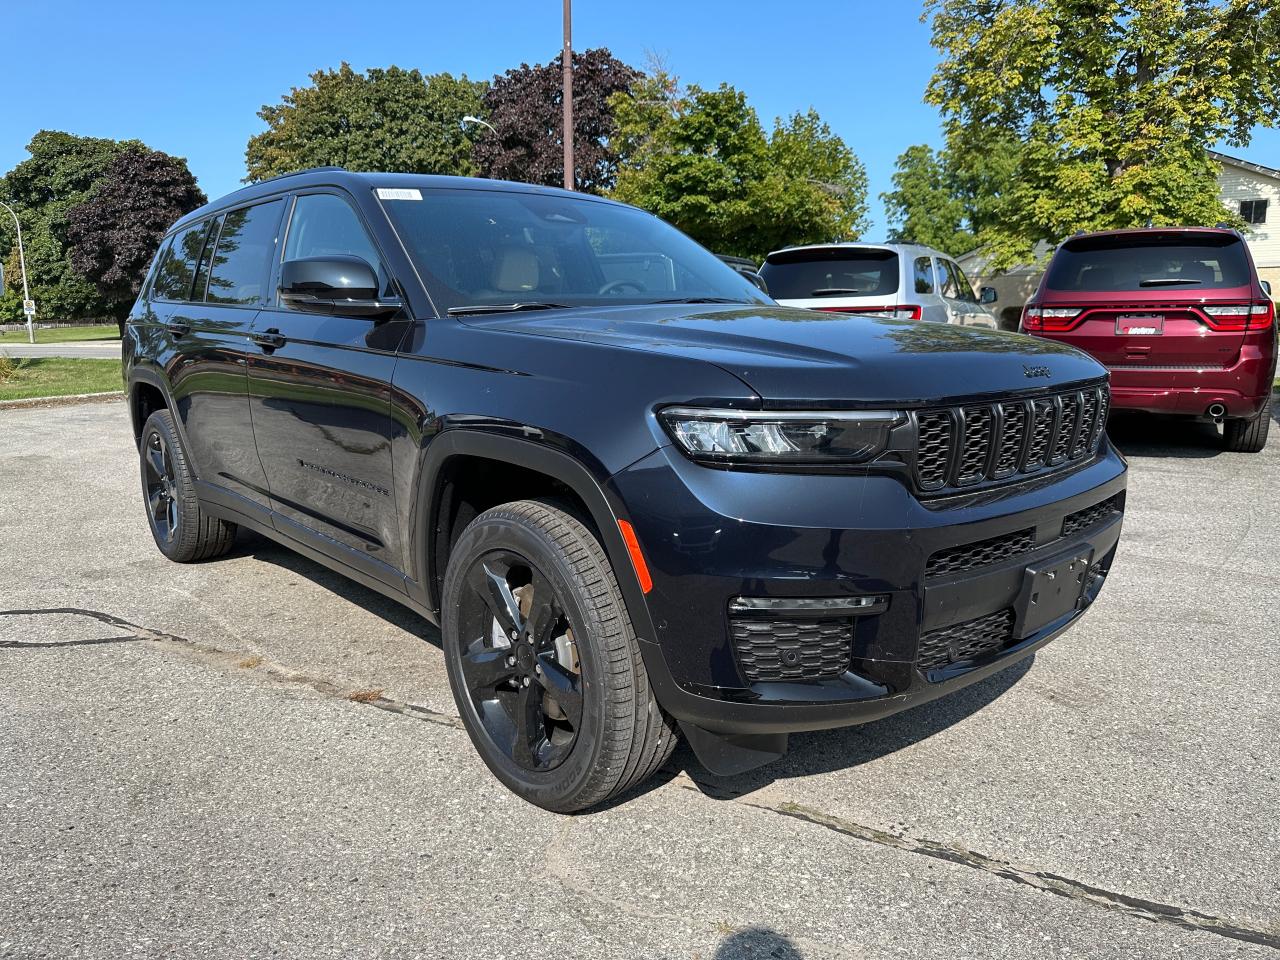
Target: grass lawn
106 331
24 377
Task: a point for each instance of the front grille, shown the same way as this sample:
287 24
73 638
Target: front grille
965 641
1083 519
792 649
988 443
970 556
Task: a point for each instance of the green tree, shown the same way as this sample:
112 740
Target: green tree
113 235
701 160
944 199
1114 103
62 172
383 119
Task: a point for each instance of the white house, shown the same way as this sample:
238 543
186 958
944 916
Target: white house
1249 189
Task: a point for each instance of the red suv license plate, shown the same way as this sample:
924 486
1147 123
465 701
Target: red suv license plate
1140 325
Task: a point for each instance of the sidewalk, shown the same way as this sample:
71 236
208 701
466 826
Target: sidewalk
91 349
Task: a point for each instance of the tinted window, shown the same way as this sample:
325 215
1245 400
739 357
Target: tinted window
173 280
1154 261
479 247
956 285
924 275
801 274
242 264
324 224
202 271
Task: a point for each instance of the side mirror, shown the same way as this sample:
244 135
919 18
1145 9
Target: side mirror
988 295
1266 287
754 278
341 285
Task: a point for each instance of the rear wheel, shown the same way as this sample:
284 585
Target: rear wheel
1248 435
182 530
543 662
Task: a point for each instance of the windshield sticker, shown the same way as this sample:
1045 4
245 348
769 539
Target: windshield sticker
399 193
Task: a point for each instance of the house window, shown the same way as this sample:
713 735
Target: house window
1253 211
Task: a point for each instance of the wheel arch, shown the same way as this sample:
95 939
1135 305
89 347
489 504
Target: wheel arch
552 471
147 394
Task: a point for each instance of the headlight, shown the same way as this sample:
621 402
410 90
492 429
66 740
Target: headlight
755 436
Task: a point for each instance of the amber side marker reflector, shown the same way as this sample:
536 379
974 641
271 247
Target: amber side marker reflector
637 558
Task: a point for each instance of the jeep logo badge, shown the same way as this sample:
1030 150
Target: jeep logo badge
1036 371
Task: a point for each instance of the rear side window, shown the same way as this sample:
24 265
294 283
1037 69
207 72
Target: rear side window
173 279
924 275
206 258
1153 261
242 262
801 274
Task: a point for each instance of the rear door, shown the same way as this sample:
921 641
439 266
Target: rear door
962 303
932 307
321 403
1150 300
205 350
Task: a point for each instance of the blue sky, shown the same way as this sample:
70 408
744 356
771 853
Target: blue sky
189 78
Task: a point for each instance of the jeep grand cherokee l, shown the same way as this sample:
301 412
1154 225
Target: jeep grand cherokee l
637 495
1177 315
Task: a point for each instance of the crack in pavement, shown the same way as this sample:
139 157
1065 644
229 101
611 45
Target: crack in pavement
1075 890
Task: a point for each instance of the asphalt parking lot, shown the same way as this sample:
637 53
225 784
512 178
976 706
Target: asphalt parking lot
254 757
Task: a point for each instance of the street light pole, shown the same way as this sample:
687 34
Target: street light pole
22 262
566 59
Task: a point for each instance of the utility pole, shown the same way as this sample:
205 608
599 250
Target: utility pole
22 262
566 58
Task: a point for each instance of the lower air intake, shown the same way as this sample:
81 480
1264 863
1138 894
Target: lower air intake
965 641
792 648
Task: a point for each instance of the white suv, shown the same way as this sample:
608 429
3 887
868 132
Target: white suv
900 280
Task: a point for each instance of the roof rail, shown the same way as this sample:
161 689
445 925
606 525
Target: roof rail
298 173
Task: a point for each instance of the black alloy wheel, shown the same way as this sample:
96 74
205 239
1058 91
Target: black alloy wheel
158 483
520 664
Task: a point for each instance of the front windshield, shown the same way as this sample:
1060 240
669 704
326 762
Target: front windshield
493 248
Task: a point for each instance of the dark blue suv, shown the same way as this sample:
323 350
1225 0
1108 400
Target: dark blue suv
639 497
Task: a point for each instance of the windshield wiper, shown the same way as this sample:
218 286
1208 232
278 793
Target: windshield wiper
506 307
696 300
1167 281
835 292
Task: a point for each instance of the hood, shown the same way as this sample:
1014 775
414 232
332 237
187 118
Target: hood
786 354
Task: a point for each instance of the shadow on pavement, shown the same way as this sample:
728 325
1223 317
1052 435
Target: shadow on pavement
757 943
826 751
1154 435
260 548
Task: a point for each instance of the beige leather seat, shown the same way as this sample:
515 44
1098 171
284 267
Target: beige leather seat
516 270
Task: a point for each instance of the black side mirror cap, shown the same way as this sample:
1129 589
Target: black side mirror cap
754 278
988 295
1266 287
338 284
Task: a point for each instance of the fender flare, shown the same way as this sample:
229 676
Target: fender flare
145 374
557 464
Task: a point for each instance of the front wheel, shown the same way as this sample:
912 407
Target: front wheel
1248 435
543 662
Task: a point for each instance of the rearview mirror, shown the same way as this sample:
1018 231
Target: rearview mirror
988 295
337 284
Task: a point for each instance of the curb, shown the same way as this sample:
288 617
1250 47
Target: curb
77 398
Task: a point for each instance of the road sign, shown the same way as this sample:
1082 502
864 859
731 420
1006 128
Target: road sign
29 307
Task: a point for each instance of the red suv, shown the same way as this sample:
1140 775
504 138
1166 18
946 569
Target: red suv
1177 315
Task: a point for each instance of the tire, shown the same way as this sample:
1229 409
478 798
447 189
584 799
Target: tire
564 715
181 529
1248 435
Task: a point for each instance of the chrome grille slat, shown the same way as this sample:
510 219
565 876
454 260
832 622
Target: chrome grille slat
968 446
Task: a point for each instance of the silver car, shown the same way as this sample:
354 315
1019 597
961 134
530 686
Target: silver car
900 280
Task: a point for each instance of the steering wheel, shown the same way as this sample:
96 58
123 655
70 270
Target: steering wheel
615 286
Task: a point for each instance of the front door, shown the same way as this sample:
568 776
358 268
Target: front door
204 352
320 397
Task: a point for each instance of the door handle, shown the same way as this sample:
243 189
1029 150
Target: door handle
178 328
268 339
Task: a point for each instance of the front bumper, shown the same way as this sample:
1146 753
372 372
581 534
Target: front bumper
711 535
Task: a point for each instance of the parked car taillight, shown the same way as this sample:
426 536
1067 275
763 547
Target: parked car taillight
1240 316
1048 318
896 313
